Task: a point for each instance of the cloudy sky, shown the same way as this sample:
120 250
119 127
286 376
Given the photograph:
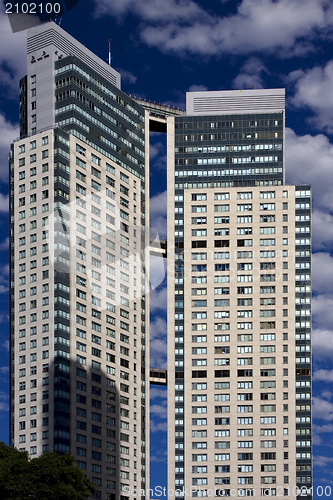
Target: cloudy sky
164 48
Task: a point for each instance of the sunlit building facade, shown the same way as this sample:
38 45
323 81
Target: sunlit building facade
239 293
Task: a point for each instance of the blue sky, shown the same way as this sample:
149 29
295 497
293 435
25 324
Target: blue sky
164 48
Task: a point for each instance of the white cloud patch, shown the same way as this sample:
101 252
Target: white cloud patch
158 299
322 311
4 280
322 272
5 345
159 410
4 401
322 409
322 230
8 132
158 343
285 26
127 76
156 150
309 159
13 58
251 75
324 375
322 343
313 90
4 369
157 270
159 456
321 461
154 11
4 245
198 88
157 427
158 210
156 392
4 199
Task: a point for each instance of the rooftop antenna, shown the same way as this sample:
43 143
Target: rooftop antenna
110 51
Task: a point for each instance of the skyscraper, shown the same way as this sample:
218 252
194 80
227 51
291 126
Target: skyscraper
79 240
239 319
239 292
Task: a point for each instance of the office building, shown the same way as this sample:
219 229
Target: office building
79 242
239 292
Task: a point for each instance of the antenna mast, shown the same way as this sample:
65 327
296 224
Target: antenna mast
110 51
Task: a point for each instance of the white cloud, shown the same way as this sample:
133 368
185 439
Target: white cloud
198 88
158 159
154 427
151 10
8 132
159 456
158 203
313 90
316 439
322 311
13 58
159 409
322 272
286 26
321 461
4 369
309 160
127 76
158 209
158 343
4 280
322 230
5 345
320 429
156 150
3 401
322 409
4 199
158 299
250 75
156 392
157 270
325 375
322 343
4 245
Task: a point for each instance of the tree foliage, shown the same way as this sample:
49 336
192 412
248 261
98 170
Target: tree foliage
48 477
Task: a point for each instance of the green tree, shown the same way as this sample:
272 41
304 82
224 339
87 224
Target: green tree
48 477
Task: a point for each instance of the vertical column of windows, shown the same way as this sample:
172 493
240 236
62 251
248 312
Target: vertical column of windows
303 338
244 339
37 253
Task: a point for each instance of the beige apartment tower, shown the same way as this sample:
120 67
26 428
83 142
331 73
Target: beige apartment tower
239 292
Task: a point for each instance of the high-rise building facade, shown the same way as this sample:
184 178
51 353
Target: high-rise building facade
79 240
239 312
239 283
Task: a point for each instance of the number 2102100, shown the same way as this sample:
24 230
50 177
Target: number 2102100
33 8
